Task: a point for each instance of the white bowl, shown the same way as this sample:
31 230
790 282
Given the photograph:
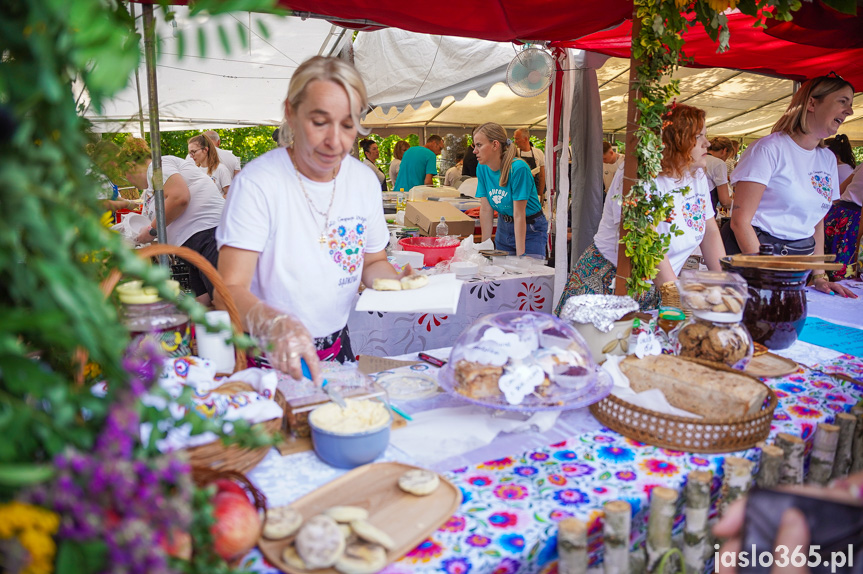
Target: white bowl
135 223
464 269
491 271
415 258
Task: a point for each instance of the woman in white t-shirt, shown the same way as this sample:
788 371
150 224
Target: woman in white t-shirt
785 182
304 224
684 136
845 161
205 154
716 169
398 151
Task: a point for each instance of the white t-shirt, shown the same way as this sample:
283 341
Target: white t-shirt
452 175
854 191
801 185
222 176
535 153
205 200
609 169
228 158
394 170
844 171
716 171
267 212
692 212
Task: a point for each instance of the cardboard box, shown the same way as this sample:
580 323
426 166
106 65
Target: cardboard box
426 215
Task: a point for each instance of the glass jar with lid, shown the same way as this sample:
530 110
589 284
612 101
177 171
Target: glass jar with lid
147 316
715 332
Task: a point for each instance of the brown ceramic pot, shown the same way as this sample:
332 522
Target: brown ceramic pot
776 309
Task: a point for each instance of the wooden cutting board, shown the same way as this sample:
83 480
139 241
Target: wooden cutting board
770 365
408 519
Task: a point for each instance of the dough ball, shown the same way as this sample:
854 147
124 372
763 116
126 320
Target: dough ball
419 482
282 521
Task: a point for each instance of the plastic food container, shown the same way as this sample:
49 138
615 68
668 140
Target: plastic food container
434 249
522 360
402 258
464 269
350 449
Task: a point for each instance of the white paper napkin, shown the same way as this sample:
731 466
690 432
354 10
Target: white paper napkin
654 399
441 295
438 434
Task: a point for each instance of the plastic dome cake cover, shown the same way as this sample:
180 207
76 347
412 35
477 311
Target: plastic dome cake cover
523 360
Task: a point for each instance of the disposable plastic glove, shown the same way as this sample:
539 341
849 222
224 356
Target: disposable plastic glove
285 340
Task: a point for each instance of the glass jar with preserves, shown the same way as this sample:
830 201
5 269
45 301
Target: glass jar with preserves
147 316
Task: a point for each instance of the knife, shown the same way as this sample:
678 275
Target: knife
334 395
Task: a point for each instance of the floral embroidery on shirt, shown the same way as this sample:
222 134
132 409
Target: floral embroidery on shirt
821 184
693 213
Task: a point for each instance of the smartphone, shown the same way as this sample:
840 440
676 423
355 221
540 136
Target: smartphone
835 532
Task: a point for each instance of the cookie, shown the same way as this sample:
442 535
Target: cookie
292 559
380 284
320 542
362 558
414 281
281 522
347 513
372 534
419 482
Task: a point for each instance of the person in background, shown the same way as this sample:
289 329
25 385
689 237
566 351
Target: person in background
845 162
226 156
276 136
317 203
534 157
470 162
203 152
716 170
453 174
731 162
193 206
506 186
684 137
786 182
372 153
610 162
419 164
842 225
398 152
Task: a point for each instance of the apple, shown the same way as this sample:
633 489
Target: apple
177 543
237 526
225 485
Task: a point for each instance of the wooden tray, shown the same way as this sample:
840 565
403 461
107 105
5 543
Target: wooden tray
770 365
408 519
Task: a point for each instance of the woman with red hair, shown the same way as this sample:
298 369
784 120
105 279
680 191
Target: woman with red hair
684 136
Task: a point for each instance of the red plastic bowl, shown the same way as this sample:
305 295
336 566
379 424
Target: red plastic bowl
430 248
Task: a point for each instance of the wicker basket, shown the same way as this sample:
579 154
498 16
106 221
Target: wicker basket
215 455
670 297
701 435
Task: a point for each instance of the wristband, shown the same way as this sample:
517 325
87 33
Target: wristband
152 231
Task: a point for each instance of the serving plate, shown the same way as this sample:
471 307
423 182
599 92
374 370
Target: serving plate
407 518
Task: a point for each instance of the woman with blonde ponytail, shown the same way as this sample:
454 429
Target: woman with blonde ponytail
507 187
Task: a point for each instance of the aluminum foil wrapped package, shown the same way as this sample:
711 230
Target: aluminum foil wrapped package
599 310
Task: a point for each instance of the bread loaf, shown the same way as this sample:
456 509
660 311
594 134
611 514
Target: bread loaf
698 389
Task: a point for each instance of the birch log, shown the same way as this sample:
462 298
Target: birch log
736 480
638 560
770 466
792 458
615 532
572 546
857 444
659 524
842 463
696 510
823 453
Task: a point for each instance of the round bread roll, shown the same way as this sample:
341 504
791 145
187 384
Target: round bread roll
414 281
372 534
292 559
346 531
320 542
419 482
347 513
361 558
381 284
282 521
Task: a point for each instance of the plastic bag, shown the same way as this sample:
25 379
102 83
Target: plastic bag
470 251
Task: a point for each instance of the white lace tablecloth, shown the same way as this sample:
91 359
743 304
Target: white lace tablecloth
388 334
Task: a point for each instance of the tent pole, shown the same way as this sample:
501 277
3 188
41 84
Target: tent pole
138 82
630 162
155 139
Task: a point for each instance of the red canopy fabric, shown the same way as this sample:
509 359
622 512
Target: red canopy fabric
751 51
818 25
498 20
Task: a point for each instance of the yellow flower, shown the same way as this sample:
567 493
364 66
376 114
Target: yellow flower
34 528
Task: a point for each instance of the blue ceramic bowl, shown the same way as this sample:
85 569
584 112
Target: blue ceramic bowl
350 450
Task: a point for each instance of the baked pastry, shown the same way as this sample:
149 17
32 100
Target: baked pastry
292 559
476 380
347 513
382 284
281 522
320 542
372 534
696 388
414 281
419 482
362 558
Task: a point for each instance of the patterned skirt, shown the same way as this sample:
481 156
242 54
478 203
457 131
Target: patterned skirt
593 274
841 228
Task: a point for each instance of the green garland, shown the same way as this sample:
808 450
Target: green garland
659 50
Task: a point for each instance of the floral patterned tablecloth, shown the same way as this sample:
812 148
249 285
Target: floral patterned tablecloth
390 334
508 519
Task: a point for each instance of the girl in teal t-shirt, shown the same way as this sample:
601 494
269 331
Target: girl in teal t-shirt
506 186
